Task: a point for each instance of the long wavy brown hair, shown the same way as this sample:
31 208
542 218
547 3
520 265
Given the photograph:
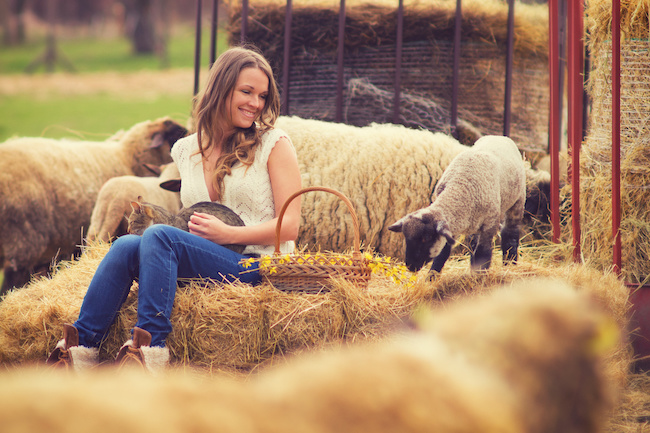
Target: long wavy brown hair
210 110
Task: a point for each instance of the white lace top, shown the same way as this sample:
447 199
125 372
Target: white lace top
247 190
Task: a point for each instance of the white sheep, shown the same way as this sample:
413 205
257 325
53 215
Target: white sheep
49 187
114 201
385 170
482 190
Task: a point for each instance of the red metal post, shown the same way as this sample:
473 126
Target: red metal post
398 61
456 68
287 58
616 133
213 31
507 104
554 115
339 63
244 21
576 87
197 47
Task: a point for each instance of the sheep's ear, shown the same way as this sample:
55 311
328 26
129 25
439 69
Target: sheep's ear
397 227
174 132
157 140
173 185
443 229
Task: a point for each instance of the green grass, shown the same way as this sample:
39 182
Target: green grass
55 114
101 54
89 117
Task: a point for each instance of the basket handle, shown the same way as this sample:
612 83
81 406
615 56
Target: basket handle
348 203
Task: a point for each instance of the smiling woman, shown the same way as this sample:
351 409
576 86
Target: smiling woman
248 97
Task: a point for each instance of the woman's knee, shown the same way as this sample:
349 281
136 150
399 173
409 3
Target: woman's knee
127 244
124 250
158 233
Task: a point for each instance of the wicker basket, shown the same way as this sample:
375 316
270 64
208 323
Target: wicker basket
314 272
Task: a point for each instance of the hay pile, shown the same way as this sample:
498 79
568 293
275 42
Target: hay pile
523 359
236 328
596 158
426 61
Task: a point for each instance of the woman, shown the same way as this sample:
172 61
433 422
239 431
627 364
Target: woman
236 158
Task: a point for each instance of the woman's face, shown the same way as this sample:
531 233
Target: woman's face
248 98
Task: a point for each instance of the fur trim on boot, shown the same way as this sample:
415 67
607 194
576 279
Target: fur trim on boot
68 354
138 352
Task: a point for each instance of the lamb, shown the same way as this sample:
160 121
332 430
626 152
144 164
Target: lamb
481 189
49 188
108 218
523 359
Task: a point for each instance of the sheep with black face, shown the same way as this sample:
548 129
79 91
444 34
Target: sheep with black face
482 190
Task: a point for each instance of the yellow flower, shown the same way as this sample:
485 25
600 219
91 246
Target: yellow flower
247 263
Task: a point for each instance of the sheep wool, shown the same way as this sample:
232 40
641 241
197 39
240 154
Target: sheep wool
483 190
49 188
385 170
108 221
524 359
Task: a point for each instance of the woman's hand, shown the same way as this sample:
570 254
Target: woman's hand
211 228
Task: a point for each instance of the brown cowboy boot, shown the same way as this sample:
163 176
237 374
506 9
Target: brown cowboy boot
69 355
138 352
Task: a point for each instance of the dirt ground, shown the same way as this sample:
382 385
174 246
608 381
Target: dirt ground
124 85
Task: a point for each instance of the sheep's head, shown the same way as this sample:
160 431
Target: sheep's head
425 233
170 132
151 142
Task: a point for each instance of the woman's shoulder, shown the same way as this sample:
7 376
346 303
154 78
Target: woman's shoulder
185 147
271 137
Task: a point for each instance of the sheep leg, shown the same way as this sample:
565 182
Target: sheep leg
510 234
481 251
510 244
440 260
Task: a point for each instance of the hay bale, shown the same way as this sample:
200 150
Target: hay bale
426 57
415 111
521 359
237 327
596 158
262 326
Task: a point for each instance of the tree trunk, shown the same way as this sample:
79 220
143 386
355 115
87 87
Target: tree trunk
144 33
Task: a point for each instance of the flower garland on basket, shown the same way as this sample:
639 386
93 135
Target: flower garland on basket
271 267
314 272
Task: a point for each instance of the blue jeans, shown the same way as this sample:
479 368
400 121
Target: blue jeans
156 259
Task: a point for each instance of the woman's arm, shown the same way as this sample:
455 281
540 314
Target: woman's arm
285 180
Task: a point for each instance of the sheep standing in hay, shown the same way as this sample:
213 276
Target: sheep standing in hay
483 190
49 188
525 359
